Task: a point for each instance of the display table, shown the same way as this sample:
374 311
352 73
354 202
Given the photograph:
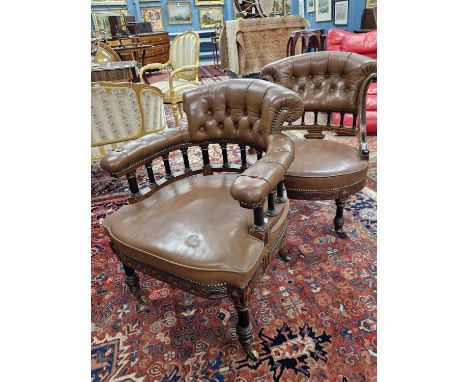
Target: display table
120 71
246 45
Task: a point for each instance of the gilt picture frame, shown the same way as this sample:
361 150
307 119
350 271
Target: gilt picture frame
209 2
310 6
323 10
179 12
210 17
108 2
153 15
371 3
100 18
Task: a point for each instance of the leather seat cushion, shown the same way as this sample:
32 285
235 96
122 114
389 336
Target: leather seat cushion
324 165
194 229
180 87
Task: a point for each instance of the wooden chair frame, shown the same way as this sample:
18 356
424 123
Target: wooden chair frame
260 228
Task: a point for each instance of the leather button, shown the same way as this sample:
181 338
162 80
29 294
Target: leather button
139 140
209 112
253 175
119 150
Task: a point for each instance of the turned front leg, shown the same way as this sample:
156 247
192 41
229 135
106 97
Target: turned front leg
133 283
244 330
339 220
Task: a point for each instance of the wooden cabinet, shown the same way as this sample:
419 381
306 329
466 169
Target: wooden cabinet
159 53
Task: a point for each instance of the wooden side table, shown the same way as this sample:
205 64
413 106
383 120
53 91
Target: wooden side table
310 38
134 49
214 47
115 71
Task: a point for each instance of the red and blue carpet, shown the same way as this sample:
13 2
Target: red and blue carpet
314 318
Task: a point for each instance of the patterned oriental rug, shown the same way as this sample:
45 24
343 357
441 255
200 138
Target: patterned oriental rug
314 318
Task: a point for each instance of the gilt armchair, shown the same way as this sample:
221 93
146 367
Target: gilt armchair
212 236
104 53
184 60
327 82
121 112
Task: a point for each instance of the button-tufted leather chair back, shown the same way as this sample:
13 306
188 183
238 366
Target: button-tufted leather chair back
326 81
234 110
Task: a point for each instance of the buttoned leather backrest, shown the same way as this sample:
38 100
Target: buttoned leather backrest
242 109
326 81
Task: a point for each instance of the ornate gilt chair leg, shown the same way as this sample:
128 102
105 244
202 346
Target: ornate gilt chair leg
181 110
175 112
240 298
339 221
133 283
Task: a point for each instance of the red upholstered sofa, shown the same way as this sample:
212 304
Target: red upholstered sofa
365 44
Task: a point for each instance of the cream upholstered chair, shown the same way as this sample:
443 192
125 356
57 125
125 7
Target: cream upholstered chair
123 111
184 60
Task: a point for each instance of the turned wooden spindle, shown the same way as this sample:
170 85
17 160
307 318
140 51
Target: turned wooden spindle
243 157
225 154
205 156
133 184
167 166
280 198
186 159
259 219
342 119
149 171
271 211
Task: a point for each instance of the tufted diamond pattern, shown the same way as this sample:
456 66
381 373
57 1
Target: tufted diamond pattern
236 110
327 81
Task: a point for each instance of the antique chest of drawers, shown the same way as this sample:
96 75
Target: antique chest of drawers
158 53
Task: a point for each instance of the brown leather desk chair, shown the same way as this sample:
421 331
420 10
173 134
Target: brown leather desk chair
327 82
190 231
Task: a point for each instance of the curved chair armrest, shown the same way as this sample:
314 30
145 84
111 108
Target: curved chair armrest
362 133
176 73
188 68
156 66
135 153
254 184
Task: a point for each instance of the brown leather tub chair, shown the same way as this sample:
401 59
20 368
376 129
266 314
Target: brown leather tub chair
327 82
190 231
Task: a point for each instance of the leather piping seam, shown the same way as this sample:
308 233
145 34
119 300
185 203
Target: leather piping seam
325 189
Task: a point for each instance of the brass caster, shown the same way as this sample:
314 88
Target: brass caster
252 354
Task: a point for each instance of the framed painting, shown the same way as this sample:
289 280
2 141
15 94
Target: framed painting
371 3
108 2
323 10
282 7
153 15
101 21
179 12
310 7
341 12
210 2
210 17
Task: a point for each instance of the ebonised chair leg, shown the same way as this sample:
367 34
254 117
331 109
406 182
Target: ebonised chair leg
339 221
284 256
133 282
244 326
